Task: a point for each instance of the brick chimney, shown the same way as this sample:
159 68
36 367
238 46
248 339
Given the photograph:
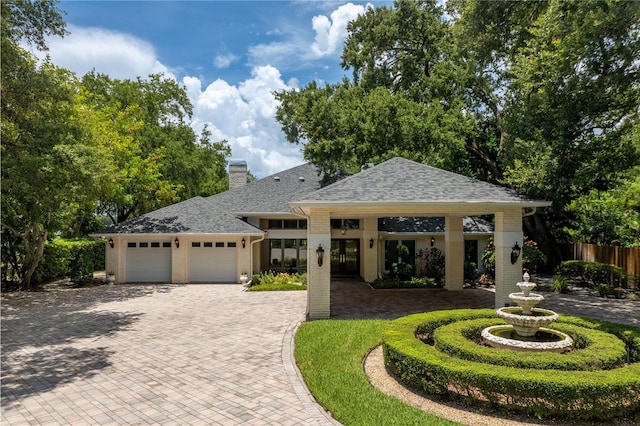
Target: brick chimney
237 173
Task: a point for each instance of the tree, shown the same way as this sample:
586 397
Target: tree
537 96
46 161
158 159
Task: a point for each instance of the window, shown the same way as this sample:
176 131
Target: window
208 244
195 244
219 244
155 245
231 244
145 245
288 254
287 224
166 244
131 245
345 223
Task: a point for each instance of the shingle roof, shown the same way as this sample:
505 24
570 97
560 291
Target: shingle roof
397 180
194 216
403 181
272 194
429 225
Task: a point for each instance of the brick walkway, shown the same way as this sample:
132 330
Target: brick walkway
194 354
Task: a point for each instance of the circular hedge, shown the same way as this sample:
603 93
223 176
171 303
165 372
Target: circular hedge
543 389
595 350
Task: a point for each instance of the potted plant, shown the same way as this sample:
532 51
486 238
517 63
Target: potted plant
244 278
111 277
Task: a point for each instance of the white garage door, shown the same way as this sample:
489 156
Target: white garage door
148 262
212 262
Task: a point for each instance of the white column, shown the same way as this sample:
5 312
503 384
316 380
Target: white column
508 232
453 253
319 277
370 254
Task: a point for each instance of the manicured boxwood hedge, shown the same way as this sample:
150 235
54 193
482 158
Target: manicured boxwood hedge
594 350
542 392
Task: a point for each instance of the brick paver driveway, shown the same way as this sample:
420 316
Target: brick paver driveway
161 354
194 354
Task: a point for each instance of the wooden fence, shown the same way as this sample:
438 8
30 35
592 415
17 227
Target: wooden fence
627 258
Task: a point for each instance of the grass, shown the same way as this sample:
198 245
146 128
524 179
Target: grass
329 354
278 287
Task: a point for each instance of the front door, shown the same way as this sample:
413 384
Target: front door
345 257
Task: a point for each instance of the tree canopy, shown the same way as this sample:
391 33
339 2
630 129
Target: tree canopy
539 96
76 149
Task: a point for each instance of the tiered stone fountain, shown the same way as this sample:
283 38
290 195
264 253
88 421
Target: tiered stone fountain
526 329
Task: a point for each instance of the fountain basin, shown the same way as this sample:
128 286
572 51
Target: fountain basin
527 325
526 287
546 340
526 301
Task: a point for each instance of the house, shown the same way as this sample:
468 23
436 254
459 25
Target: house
298 220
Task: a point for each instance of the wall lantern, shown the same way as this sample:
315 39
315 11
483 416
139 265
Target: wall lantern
433 241
243 242
320 254
371 243
177 241
515 252
111 242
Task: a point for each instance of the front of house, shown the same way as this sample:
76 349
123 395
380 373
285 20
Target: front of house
300 221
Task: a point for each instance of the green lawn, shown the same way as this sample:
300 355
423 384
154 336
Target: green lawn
329 354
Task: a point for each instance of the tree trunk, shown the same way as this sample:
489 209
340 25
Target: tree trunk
34 240
537 229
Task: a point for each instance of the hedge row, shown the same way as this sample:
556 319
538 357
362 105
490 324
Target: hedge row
75 258
599 394
593 349
594 273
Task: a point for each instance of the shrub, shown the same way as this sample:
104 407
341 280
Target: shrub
601 394
386 283
560 285
75 258
470 271
532 257
593 349
593 273
270 280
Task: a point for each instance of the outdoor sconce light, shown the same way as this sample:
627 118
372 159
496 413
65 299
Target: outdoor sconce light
515 252
177 241
371 243
320 254
243 242
111 242
433 241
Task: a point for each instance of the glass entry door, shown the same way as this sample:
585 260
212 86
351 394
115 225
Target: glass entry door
345 257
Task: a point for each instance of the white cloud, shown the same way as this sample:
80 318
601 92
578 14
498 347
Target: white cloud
224 61
330 34
113 53
244 115
298 51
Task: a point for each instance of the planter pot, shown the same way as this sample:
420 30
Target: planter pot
244 279
111 278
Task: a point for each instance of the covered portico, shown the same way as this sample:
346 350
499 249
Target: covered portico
400 187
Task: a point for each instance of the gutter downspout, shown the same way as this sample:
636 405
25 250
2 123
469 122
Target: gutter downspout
529 213
251 253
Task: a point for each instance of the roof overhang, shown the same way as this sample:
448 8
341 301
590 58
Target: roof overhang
417 207
173 234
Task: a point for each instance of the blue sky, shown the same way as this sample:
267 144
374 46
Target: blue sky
230 55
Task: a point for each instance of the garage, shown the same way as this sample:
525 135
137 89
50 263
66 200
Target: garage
213 262
148 262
